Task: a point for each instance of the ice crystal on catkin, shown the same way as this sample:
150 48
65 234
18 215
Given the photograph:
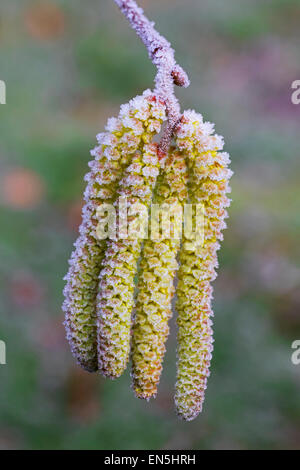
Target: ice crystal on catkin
208 185
156 278
137 123
116 280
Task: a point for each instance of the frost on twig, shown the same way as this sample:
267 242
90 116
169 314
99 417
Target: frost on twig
162 56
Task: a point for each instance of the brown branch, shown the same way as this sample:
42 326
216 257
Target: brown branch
162 56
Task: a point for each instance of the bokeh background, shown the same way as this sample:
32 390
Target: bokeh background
68 66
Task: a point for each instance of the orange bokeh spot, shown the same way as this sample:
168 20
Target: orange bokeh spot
22 189
44 21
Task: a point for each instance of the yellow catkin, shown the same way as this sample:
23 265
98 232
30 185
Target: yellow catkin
208 186
157 272
116 286
137 123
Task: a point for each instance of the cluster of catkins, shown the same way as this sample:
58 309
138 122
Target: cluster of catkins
106 320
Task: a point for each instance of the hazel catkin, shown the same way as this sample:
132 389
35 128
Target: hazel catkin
137 123
116 280
156 278
208 185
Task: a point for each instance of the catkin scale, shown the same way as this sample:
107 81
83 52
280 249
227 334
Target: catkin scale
208 185
137 123
157 271
116 281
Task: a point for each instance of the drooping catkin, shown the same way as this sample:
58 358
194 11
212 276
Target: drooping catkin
137 123
208 186
116 280
156 278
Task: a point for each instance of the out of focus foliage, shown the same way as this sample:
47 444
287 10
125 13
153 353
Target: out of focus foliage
68 66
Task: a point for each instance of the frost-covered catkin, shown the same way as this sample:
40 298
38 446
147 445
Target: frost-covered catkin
116 286
208 186
137 123
156 281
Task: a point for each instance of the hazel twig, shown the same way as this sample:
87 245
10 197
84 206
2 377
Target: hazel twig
169 73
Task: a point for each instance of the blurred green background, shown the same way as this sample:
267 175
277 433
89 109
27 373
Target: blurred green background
68 66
